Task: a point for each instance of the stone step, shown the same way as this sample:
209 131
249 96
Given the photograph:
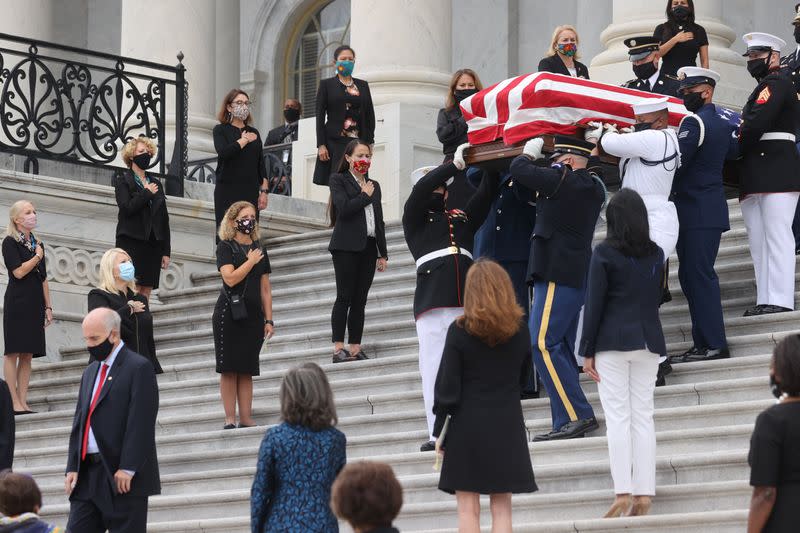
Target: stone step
421 488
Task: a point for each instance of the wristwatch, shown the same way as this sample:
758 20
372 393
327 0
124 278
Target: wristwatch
270 322
263 191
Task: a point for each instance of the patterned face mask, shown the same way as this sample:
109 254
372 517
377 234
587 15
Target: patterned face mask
245 225
361 165
567 49
240 111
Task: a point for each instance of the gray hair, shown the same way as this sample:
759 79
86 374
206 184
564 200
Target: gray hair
110 319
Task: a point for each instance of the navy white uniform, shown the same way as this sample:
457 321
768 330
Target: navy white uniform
441 243
706 139
769 182
567 208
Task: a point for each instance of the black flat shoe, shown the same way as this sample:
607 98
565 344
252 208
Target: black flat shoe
703 354
694 351
428 446
754 311
229 426
361 356
771 309
570 430
342 356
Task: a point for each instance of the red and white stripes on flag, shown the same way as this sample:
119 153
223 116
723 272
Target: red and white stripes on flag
521 108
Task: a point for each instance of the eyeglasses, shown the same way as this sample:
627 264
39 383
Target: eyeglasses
240 102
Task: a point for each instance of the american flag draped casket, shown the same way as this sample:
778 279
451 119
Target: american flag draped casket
502 117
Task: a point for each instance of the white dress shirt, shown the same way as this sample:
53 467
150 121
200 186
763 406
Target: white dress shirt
369 211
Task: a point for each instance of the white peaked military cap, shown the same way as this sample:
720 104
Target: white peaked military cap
417 174
650 105
760 42
691 76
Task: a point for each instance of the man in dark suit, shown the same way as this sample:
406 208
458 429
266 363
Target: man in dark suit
706 140
569 200
112 467
279 163
292 110
646 63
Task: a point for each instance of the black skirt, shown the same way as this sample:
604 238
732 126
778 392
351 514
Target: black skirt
323 169
146 257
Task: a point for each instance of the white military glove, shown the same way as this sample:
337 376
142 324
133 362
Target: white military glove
610 128
458 158
594 132
629 129
533 148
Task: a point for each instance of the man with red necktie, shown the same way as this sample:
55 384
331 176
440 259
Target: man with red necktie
112 466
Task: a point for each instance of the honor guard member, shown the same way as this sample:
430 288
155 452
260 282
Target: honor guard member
790 67
649 158
706 139
570 197
770 175
646 60
441 242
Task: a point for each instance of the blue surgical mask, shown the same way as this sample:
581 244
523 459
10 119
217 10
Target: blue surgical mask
345 68
126 271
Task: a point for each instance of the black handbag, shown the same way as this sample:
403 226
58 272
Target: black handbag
236 301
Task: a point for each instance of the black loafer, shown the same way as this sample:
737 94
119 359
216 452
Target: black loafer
229 426
753 311
570 430
694 351
361 356
702 354
664 369
342 356
428 446
770 309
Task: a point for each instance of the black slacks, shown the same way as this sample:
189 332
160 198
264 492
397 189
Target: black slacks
95 508
354 274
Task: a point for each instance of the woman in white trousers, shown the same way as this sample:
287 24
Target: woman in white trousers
621 342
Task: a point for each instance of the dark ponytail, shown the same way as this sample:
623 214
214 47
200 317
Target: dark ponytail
342 167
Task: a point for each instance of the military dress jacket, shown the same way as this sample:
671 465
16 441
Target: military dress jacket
770 162
664 84
440 281
567 207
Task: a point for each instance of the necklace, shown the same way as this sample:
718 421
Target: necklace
348 85
30 243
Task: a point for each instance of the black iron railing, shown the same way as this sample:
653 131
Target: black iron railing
277 158
78 106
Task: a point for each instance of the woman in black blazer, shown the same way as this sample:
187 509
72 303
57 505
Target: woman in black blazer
344 113
358 246
142 220
621 343
562 56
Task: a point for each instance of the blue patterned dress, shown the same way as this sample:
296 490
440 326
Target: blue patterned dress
292 488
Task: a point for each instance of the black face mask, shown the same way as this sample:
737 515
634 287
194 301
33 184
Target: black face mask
758 68
680 12
693 101
436 202
142 160
102 350
460 94
797 34
642 126
291 114
245 225
645 70
775 387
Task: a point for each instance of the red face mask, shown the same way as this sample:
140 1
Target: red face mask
361 165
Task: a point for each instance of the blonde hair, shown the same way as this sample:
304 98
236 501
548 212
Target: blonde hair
13 213
106 280
554 41
307 398
130 148
227 229
491 311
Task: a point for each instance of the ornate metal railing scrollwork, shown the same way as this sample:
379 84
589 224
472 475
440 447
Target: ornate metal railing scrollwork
79 106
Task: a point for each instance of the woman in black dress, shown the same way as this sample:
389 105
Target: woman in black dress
117 291
26 304
775 448
562 56
451 129
344 113
681 38
241 172
243 314
486 357
142 220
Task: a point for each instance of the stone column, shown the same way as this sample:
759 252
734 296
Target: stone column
27 18
228 45
634 17
156 30
403 48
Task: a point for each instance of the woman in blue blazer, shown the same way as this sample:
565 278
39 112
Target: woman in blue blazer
621 343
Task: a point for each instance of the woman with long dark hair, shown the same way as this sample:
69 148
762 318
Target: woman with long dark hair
358 246
681 38
344 113
621 342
